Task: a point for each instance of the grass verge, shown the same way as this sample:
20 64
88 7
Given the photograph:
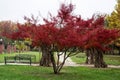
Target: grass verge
68 73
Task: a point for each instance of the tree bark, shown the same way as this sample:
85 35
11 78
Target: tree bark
90 57
57 67
99 62
46 58
53 63
119 50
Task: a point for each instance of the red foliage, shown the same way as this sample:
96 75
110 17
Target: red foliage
45 34
68 38
22 32
100 38
75 32
65 11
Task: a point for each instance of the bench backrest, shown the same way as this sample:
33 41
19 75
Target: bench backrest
26 55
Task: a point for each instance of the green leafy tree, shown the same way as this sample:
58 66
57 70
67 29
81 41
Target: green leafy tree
20 45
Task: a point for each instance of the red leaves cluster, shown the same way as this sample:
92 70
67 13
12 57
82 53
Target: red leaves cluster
65 11
68 38
45 34
100 38
75 32
21 33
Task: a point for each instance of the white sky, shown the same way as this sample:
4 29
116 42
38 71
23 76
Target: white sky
15 10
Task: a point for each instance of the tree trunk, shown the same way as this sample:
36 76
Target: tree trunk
99 62
46 58
119 51
57 67
53 63
90 57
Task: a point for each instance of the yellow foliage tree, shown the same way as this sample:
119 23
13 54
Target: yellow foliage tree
113 20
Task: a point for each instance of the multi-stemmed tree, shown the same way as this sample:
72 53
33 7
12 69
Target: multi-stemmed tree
66 34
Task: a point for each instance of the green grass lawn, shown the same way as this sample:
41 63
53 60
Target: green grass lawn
109 59
20 72
8 72
13 54
112 59
79 58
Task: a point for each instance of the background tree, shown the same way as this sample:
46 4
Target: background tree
113 21
6 28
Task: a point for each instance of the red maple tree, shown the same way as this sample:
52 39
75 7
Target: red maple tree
69 33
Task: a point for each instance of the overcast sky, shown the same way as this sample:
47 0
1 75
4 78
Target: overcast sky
15 10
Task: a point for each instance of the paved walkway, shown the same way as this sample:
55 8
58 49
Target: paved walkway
19 64
69 62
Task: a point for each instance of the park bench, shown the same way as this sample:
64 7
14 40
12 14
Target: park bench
20 58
